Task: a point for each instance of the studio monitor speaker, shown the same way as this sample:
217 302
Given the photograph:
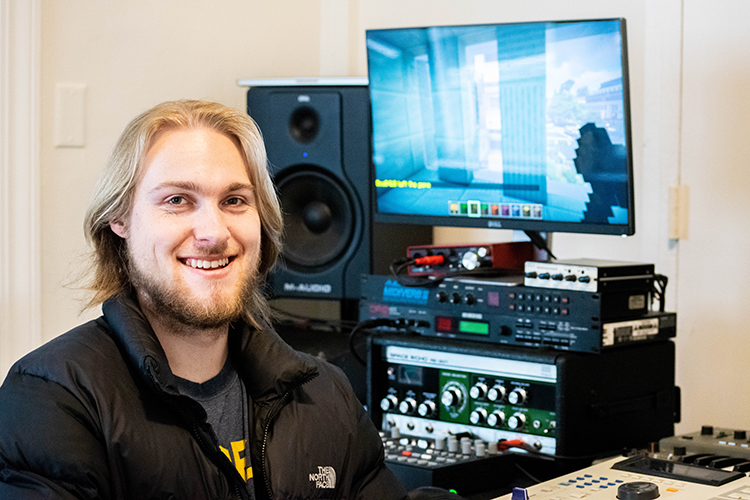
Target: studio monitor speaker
317 136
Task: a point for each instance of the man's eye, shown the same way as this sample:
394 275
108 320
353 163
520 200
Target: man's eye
175 200
234 201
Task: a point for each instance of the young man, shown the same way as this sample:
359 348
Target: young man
181 390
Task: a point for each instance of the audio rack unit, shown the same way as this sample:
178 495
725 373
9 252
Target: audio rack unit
424 390
590 275
504 311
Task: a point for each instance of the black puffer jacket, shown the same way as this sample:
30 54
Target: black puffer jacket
94 414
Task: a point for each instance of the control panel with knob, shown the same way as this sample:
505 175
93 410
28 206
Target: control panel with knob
708 442
435 400
640 477
436 387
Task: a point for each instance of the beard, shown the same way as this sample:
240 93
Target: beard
174 303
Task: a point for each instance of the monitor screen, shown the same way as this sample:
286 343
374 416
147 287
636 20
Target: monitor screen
513 126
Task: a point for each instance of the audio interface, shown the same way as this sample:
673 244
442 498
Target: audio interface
504 311
557 403
640 477
589 275
452 258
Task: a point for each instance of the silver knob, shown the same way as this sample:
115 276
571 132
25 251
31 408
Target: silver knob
407 406
478 391
517 396
496 418
426 408
388 403
497 393
517 421
452 397
470 260
478 416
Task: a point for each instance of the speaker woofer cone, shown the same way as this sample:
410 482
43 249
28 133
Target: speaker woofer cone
318 219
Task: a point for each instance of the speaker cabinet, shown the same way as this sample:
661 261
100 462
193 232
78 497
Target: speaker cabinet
318 141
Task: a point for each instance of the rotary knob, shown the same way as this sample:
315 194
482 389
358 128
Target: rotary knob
496 418
470 260
388 403
638 490
442 297
496 393
517 421
478 416
407 406
426 408
478 391
517 396
452 397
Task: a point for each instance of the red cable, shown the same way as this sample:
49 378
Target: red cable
505 444
429 260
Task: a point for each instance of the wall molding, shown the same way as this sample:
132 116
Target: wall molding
20 222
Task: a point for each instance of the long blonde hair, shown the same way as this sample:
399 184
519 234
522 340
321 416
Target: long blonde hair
114 192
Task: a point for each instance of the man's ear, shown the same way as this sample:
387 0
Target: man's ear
119 227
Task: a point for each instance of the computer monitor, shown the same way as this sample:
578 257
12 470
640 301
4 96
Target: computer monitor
515 126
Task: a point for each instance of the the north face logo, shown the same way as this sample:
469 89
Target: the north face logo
324 478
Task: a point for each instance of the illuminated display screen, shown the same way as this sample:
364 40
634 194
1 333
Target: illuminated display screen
474 327
445 324
518 126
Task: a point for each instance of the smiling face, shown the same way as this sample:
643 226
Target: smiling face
193 232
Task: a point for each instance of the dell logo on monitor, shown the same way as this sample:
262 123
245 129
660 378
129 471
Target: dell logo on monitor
494 223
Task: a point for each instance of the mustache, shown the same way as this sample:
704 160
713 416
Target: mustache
210 250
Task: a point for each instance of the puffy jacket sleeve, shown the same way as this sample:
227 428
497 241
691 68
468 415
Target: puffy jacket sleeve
378 482
375 480
50 446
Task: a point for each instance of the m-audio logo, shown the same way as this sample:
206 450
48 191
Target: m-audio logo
325 477
308 287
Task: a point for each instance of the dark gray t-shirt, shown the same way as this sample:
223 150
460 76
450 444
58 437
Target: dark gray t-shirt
228 408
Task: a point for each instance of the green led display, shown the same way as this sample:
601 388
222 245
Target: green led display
474 327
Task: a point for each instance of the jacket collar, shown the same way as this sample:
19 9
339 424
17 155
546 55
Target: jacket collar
268 365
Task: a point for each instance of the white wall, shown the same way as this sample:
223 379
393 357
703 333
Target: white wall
131 55
713 298
689 88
